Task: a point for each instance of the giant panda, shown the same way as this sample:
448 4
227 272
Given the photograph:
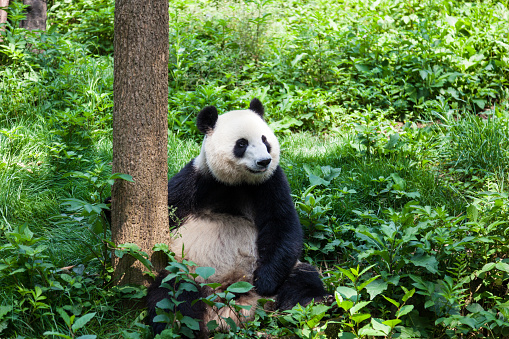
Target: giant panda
234 212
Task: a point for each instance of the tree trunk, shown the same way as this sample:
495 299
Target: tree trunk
36 15
3 15
140 127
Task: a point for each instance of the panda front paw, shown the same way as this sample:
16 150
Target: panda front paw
265 284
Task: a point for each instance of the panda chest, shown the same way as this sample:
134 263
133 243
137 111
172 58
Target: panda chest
222 241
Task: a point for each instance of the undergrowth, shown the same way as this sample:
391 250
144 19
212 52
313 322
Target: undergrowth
393 121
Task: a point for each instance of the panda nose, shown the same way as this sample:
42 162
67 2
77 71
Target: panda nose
264 162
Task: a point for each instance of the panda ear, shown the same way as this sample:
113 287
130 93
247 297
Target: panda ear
257 107
207 119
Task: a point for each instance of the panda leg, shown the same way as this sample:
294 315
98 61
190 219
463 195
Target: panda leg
301 287
156 293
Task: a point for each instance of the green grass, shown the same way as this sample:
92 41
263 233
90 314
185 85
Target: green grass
393 122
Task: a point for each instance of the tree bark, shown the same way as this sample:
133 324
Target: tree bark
3 15
36 15
140 127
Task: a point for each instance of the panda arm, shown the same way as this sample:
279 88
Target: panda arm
181 193
279 234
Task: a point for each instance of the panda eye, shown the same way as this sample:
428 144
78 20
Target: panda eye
242 143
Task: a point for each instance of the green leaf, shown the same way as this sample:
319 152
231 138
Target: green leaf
192 323
240 287
346 292
375 288
57 334
392 323
475 308
408 294
297 59
502 266
359 306
468 321
87 336
404 310
122 176
378 325
205 272
345 304
368 282
472 212
82 321
392 301
64 316
360 317
348 274
393 141
315 180
425 260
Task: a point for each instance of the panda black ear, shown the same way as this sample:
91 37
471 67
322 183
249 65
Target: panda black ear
207 119
257 107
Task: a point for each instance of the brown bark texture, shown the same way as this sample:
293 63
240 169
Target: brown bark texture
36 15
3 15
140 127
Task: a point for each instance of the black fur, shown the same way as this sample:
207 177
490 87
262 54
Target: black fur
302 286
206 119
256 106
279 231
280 235
267 144
240 148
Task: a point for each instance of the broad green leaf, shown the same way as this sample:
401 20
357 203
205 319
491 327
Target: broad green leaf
375 288
360 317
64 316
315 180
378 325
82 321
346 292
191 323
205 272
469 322
475 308
240 287
393 141
369 331
404 310
359 306
472 212
502 266
87 336
425 260
392 323
161 318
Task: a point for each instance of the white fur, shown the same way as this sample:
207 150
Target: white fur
217 156
225 242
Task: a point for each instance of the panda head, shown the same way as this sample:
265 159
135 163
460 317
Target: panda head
239 147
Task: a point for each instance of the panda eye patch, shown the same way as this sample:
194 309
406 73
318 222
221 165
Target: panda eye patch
242 143
264 140
240 147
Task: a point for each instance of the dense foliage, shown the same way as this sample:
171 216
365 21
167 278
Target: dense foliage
394 124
